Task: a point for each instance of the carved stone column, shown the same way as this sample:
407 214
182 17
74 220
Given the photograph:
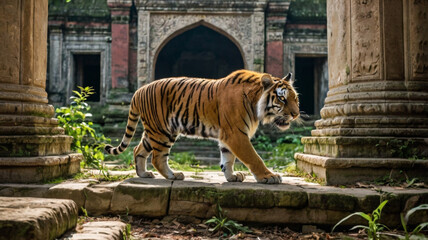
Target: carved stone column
275 22
375 118
32 146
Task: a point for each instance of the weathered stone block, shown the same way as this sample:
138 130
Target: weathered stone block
98 200
36 218
112 230
69 190
147 197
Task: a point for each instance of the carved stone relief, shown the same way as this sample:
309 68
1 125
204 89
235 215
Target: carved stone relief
419 39
366 39
245 30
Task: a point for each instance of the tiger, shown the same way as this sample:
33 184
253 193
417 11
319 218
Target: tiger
228 110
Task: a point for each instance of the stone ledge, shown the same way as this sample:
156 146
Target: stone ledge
37 169
293 202
342 171
112 230
36 218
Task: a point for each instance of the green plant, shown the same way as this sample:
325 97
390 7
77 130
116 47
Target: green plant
374 227
127 234
262 143
85 139
185 158
227 226
415 234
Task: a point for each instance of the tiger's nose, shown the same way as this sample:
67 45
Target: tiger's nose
294 115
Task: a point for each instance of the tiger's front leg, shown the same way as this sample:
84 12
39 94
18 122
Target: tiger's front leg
241 147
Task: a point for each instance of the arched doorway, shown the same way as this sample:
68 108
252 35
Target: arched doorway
198 52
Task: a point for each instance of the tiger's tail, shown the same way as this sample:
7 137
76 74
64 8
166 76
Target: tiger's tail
131 126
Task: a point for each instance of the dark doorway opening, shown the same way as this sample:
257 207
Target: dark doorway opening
87 71
311 83
198 52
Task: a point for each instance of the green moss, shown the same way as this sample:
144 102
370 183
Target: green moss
307 11
257 198
79 8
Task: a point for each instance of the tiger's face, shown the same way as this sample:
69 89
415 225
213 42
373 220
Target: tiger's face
279 103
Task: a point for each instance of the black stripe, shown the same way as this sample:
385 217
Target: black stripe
123 145
130 128
243 132
115 151
133 114
128 135
133 120
224 150
157 150
166 155
160 143
147 146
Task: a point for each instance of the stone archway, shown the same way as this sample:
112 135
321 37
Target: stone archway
159 22
198 52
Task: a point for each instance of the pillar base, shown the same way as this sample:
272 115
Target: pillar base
342 171
38 169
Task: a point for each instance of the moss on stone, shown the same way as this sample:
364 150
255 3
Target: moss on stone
79 8
252 198
308 11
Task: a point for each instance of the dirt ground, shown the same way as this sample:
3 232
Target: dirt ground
191 228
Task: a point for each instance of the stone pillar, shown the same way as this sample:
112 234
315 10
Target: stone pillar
375 118
119 95
276 16
120 43
32 146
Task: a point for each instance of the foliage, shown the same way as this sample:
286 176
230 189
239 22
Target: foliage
374 227
262 143
85 139
278 154
227 226
415 234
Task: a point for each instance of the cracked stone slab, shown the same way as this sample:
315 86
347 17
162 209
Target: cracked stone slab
36 218
142 196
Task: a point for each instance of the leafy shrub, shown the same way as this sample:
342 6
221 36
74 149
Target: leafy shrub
374 227
85 139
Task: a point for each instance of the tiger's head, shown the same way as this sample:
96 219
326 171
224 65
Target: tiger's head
279 103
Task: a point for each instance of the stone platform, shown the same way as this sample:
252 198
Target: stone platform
294 202
36 218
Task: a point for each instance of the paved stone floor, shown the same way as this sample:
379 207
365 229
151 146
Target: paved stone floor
292 202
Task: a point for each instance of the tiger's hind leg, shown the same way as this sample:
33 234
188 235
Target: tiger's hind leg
227 163
141 153
160 159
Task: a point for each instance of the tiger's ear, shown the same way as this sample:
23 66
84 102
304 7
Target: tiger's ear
288 78
266 81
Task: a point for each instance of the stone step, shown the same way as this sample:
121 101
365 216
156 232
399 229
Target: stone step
293 202
103 230
36 218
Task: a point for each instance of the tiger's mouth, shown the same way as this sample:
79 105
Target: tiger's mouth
282 123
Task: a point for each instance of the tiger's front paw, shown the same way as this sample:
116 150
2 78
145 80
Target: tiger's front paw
237 177
270 179
147 174
177 176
